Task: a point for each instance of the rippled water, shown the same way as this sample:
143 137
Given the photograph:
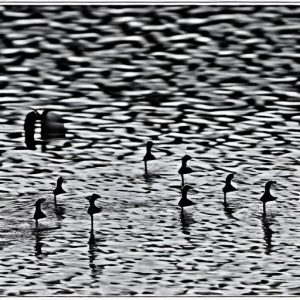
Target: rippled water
217 83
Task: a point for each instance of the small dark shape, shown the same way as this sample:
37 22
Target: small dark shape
228 186
266 197
184 201
38 214
93 209
58 190
184 169
148 156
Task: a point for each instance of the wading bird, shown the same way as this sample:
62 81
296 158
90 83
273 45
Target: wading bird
38 214
184 201
228 186
148 156
58 190
184 169
93 209
266 197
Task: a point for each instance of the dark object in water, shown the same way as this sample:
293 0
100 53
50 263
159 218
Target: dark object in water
184 169
266 197
93 209
148 156
228 186
38 214
58 190
184 201
52 126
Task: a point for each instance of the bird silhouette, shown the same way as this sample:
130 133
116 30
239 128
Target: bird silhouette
52 126
38 214
184 201
58 190
228 186
267 197
184 169
93 209
148 156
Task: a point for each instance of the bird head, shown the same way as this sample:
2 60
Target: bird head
60 180
230 177
149 144
186 158
39 201
93 197
269 183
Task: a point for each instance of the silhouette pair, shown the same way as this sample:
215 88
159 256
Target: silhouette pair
266 197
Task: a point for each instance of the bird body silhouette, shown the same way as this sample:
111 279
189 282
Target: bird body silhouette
184 169
38 214
58 190
93 209
52 125
228 186
267 197
184 201
148 156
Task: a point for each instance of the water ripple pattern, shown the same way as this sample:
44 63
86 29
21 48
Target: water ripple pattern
219 83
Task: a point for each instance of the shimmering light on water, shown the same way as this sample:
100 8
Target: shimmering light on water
217 83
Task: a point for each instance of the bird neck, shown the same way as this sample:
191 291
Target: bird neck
38 207
148 150
184 194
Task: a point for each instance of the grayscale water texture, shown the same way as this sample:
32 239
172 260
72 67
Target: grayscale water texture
219 83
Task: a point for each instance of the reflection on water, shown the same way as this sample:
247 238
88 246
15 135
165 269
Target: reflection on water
268 232
38 244
218 83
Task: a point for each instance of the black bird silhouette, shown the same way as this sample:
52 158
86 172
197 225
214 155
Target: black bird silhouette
52 126
148 156
29 129
184 201
184 169
228 186
38 214
93 209
58 190
266 197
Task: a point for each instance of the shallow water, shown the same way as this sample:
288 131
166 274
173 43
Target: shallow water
217 83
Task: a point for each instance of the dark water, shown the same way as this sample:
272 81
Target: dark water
217 83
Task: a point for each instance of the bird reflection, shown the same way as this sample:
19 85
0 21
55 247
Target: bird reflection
59 211
186 220
38 244
92 255
229 211
268 232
